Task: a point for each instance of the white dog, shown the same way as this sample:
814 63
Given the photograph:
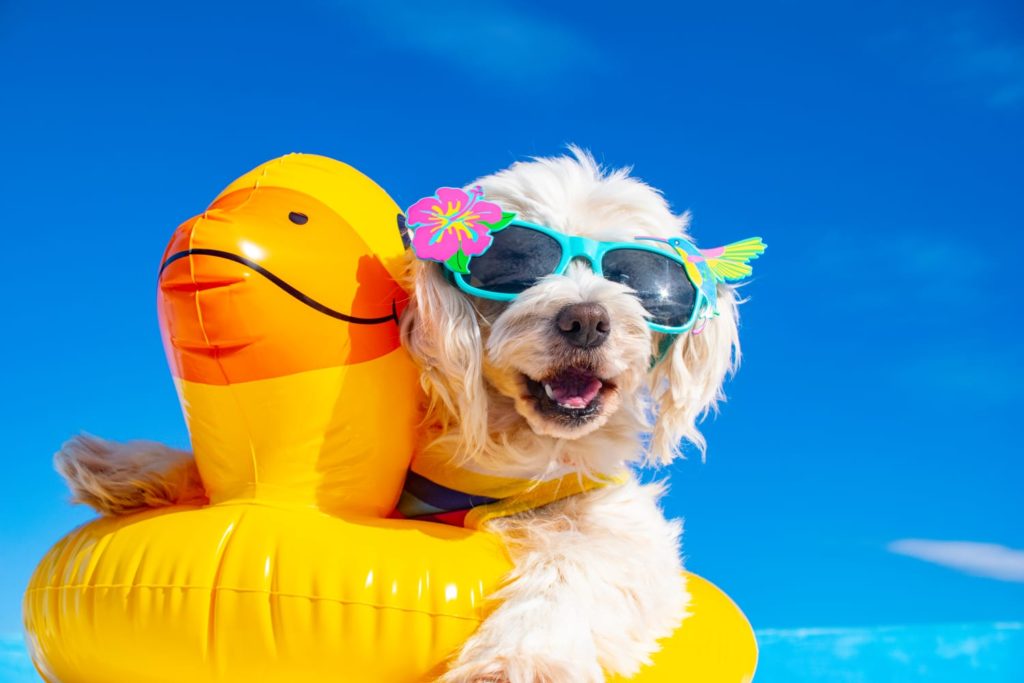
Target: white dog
556 389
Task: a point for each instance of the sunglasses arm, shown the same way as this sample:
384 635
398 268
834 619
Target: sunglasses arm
663 346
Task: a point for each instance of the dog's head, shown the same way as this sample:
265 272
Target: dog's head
567 365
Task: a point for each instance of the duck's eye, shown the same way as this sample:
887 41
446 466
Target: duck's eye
298 218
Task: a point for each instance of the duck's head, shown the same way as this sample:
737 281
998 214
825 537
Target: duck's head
293 267
279 308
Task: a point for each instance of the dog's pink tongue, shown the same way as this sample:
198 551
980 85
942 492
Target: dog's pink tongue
574 389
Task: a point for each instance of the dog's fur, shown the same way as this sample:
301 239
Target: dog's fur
597 578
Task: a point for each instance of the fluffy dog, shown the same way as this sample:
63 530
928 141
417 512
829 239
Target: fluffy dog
597 575
597 579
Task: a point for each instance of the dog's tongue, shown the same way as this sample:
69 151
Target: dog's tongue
573 388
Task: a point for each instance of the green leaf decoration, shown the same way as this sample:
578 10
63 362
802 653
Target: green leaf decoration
506 218
458 262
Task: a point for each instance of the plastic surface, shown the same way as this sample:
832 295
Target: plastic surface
278 307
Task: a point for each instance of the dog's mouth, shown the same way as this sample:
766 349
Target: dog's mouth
573 395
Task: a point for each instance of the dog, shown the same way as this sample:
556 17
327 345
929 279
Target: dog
563 387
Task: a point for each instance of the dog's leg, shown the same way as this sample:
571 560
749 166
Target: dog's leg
117 479
597 583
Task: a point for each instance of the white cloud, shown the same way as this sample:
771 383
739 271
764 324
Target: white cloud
965 374
971 50
926 274
989 560
494 42
15 665
997 64
939 653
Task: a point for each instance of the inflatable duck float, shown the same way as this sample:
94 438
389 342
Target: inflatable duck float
279 308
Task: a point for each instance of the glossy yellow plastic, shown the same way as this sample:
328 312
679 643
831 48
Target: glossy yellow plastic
279 310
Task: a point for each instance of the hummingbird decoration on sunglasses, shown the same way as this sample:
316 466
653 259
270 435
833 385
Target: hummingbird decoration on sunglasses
707 267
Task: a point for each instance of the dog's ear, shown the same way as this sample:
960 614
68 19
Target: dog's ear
440 330
687 383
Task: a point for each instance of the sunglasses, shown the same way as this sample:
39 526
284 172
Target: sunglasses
491 254
522 253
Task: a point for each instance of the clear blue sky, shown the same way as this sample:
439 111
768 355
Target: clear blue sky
877 148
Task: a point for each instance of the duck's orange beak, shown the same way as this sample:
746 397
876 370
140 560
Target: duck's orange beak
271 281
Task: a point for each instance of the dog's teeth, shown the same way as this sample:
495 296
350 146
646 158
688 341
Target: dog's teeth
549 391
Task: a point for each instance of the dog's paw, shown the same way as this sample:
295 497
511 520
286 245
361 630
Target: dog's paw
118 479
510 649
524 668
475 672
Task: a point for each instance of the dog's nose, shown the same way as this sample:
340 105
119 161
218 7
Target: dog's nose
584 325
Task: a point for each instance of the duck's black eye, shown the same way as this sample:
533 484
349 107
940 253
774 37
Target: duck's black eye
298 218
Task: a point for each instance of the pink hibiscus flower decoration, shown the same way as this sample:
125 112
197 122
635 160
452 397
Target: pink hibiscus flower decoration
453 222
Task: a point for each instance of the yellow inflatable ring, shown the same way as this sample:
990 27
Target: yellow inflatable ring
278 307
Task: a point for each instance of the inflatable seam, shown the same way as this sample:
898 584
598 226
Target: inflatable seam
276 594
222 553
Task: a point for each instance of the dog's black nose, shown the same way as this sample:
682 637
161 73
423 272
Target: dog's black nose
584 325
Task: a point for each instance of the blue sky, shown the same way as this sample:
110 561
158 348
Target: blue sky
876 148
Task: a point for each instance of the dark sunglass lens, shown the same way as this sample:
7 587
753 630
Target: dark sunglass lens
516 259
660 283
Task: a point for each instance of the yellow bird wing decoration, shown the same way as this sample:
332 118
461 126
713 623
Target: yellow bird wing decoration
732 262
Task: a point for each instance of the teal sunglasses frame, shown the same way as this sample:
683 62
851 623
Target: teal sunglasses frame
574 248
